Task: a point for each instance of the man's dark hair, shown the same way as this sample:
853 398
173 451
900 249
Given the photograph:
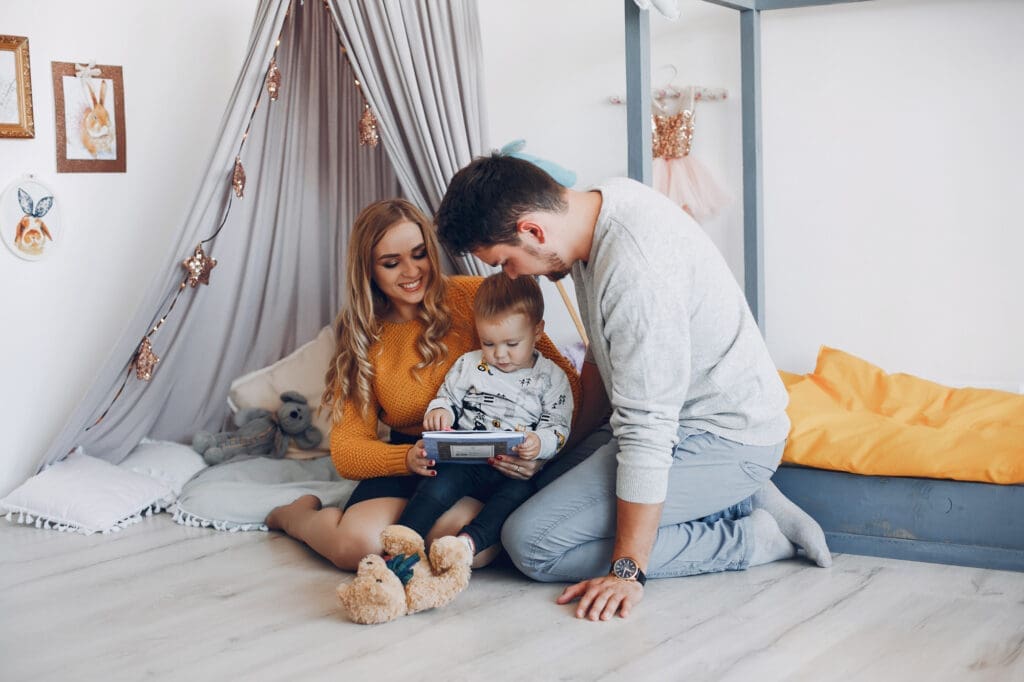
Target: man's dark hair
486 198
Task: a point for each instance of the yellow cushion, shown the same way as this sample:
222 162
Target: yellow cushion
849 415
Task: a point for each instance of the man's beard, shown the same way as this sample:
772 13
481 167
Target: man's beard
555 276
559 268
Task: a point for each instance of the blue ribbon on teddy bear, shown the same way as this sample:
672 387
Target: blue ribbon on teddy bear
401 565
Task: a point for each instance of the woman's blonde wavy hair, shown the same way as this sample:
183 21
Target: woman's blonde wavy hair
358 325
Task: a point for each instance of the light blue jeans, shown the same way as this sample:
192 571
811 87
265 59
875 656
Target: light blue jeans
566 532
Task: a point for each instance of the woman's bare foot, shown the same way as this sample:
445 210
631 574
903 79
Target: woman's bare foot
278 516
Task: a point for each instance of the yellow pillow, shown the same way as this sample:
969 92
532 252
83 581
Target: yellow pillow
849 415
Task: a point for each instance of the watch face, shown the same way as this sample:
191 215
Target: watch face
625 568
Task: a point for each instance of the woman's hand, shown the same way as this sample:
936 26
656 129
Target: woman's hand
600 598
438 419
417 462
519 469
529 448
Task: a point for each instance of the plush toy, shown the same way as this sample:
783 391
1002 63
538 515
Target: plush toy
408 582
563 176
668 8
262 433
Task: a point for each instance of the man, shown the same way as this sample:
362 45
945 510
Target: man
681 482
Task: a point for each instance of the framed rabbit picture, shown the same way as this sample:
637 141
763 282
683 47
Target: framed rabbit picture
90 118
30 222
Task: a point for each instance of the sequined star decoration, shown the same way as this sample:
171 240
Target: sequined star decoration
368 136
198 267
273 81
238 178
145 361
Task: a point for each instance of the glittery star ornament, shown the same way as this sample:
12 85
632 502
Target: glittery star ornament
238 178
273 80
198 267
145 361
368 136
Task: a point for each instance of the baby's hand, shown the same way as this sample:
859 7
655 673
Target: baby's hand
438 419
529 448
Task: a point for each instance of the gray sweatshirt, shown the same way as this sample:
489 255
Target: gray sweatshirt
672 336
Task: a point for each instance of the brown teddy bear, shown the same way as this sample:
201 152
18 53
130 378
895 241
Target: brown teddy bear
407 582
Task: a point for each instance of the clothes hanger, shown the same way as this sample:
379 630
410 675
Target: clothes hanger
669 90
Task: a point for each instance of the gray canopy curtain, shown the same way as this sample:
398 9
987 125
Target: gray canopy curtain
419 62
280 251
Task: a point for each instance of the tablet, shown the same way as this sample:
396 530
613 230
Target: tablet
470 447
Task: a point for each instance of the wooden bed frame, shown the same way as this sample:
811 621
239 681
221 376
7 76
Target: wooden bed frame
941 521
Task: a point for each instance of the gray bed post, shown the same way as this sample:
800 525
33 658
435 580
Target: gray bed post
753 204
638 92
638 131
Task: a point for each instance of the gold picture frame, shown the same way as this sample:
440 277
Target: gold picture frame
89 100
15 88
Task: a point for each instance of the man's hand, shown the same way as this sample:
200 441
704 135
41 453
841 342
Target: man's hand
438 419
529 448
601 598
417 462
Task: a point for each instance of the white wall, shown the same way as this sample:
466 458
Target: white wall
547 83
891 157
892 160
60 315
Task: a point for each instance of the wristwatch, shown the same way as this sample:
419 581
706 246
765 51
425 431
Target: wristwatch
626 568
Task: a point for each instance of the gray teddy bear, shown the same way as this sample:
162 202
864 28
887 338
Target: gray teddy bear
261 432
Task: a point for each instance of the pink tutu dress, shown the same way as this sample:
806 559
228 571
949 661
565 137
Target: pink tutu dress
676 173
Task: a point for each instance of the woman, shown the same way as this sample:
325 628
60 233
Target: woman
403 326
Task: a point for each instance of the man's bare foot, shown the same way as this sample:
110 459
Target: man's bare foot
278 515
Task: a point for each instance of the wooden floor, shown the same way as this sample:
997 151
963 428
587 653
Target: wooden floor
163 601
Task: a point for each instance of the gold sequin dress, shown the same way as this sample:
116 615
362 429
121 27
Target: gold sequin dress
676 173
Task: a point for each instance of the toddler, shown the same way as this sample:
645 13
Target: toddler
505 386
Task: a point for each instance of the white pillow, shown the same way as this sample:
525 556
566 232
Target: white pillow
172 463
87 495
302 371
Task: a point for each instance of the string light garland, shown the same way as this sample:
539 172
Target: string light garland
199 265
368 134
368 128
238 178
273 80
145 360
367 122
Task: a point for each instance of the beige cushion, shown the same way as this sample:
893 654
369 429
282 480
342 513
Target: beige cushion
302 371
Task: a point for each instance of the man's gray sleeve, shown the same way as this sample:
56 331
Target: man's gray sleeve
647 327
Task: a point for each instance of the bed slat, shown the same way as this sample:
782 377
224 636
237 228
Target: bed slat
948 522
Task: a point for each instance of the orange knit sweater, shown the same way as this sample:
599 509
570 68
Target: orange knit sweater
400 398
